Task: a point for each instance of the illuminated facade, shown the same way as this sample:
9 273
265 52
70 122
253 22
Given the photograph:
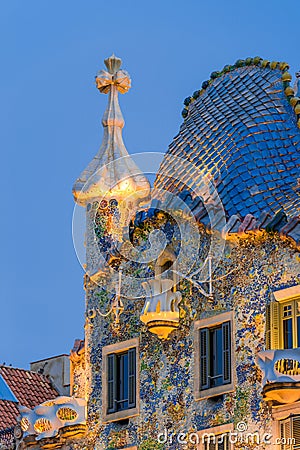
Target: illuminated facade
196 331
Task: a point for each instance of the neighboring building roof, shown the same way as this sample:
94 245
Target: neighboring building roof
27 388
57 368
241 129
8 414
48 359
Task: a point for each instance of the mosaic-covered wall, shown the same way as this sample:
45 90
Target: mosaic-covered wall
242 130
255 266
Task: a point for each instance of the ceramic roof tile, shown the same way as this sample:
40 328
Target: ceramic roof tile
246 129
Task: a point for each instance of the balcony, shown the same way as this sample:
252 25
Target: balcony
52 421
281 375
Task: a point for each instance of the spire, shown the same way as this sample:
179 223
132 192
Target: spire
107 175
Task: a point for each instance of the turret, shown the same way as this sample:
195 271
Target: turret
112 187
112 174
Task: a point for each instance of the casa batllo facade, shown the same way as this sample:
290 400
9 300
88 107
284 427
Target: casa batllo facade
192 330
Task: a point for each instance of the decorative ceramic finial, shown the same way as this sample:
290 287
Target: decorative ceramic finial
113 64
112 173
114 77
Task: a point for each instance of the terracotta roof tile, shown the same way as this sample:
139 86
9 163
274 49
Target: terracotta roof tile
8 414
29 388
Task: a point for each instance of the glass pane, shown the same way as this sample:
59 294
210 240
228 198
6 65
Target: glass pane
125 378
122 381
219 442
216 370
288 333
221 446
287 311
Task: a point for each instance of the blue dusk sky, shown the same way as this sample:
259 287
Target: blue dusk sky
51 127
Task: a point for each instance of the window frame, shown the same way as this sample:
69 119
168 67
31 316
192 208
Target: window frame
293 317
281 299
130 448
212 322
115 349
290 421
219 430
280 414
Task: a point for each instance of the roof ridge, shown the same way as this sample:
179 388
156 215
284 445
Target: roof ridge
50 357
248 62
278 223
24 370
12 367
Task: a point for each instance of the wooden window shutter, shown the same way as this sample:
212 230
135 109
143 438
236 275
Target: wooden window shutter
296 432
211 443
274 325
285 433
131 378
111 383
226 442
268 327
226 351
204 358
223 442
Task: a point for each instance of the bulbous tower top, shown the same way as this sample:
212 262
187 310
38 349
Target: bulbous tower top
112 173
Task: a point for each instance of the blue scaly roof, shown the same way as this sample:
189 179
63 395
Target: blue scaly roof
242 129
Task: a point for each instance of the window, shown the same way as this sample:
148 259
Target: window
291 324
120 380
290 433
215 356
218 442
217 438
213 362
283 320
